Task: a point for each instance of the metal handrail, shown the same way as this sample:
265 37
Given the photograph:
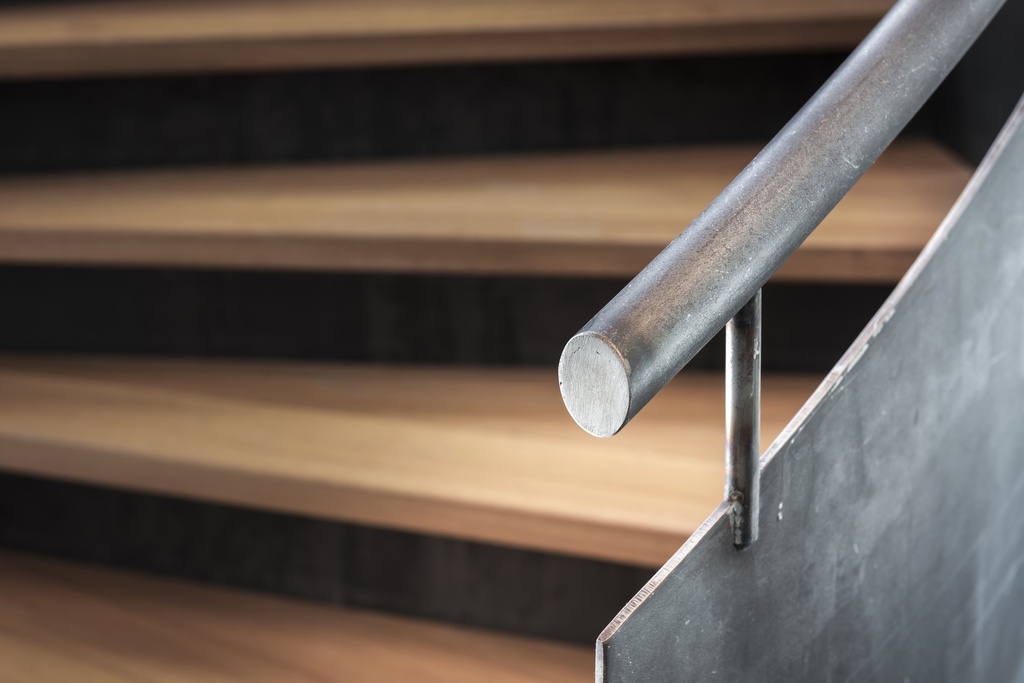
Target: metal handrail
620 359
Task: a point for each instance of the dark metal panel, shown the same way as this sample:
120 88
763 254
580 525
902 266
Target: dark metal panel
892 543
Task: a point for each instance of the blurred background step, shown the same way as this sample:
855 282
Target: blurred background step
64 622
595 214
158 36
484 455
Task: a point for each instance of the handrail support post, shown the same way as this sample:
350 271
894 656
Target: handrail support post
743 420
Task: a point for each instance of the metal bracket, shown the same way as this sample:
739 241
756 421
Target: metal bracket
743 420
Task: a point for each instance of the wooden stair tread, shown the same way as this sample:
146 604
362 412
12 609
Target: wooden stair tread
147 36
568 214
488 455
61 622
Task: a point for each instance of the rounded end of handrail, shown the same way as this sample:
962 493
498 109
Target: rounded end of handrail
594 380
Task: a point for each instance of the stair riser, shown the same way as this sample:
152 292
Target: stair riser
367 113
377 318
532 593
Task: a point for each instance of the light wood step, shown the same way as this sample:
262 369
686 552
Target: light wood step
152 36
487 455
578 214
61 622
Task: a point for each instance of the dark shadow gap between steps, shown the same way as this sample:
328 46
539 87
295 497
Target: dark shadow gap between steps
520 591
373 317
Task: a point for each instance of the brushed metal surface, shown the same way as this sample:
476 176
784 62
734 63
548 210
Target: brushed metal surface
676 304
743 420
891 543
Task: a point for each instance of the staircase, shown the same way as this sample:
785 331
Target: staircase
136 433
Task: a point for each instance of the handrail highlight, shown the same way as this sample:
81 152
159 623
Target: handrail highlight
620 359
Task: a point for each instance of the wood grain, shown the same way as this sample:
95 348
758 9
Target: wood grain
153 36
487 455
61 622
579 214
